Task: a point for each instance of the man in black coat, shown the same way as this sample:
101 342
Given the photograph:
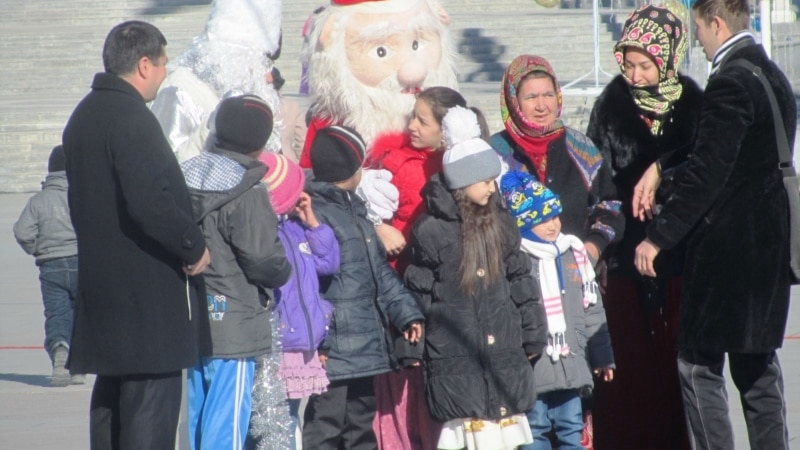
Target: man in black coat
730 201
136 324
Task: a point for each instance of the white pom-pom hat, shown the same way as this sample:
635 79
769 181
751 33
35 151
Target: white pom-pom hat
468 159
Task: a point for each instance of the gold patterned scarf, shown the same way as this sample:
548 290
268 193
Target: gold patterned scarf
661 34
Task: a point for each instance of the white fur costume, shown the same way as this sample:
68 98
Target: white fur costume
230 57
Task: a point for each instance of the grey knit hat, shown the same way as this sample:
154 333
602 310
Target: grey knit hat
468 159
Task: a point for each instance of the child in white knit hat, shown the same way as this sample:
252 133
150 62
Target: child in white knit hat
578 342
484 319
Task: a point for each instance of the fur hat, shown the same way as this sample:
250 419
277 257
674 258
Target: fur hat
58 160
336 153
243 124
284 180
468 159
529 201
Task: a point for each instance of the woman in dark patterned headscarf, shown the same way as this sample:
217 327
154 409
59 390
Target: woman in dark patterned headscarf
648 113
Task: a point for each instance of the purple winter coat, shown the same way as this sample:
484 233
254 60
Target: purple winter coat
304 314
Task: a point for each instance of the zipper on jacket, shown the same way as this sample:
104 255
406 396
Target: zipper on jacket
188 298
300 292
381 321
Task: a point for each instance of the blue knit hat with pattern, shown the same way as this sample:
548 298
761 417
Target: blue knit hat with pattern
528 201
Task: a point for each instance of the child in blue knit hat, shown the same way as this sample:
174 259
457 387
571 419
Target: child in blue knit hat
578 340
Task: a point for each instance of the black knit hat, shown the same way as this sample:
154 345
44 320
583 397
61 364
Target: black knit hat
58 160
243 124
336 154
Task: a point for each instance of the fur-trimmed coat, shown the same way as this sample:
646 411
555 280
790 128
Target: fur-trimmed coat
729 198
626 142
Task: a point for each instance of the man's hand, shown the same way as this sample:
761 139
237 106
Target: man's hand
644 193
379 192
646 253
199 266
413 333
392 238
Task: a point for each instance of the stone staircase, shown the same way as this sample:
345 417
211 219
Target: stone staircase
51 49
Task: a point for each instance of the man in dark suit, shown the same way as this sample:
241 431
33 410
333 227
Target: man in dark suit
730 203
138 320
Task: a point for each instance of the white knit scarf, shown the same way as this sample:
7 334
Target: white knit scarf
552 290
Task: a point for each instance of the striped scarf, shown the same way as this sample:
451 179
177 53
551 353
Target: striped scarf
551 280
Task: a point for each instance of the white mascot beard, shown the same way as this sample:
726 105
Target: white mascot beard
372 111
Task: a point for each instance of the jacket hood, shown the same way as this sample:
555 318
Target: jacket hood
439 199
217 177
55 180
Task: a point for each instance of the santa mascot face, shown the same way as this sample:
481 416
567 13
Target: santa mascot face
368 59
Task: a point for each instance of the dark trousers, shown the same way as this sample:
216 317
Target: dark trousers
341 418
135 411
758 378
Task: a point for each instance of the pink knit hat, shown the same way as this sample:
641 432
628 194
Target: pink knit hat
284 180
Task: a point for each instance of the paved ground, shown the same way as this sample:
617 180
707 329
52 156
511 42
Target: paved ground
34 415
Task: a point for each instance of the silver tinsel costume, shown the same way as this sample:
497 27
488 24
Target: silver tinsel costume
270 423
230 57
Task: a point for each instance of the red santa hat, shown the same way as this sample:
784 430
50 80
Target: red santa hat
377 6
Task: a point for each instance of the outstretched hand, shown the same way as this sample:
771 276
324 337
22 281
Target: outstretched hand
644 193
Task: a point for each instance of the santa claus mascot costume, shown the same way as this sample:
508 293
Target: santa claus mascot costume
230 57
366 61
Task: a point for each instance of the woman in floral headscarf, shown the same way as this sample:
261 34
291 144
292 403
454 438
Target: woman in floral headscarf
648 113
563 159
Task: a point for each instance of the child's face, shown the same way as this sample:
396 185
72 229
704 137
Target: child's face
480 192
548 230
423 128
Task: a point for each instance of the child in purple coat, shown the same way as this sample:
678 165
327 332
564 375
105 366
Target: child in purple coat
312 250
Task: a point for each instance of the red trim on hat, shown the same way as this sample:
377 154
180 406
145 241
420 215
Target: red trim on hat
258 106
317 123
356 150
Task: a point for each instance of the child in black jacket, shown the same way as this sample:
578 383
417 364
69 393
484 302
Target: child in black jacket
367 296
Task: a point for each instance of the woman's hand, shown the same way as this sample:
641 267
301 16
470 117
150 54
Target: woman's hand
323 359
304 211
644 194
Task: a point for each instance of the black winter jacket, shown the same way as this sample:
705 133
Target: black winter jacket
475 346
367 294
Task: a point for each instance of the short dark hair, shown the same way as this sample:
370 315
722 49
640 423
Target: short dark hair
735 13
129 42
